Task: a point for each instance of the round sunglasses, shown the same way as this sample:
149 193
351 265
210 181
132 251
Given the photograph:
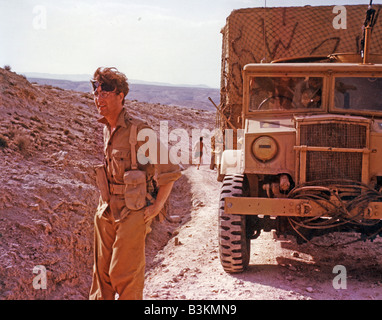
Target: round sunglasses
104 86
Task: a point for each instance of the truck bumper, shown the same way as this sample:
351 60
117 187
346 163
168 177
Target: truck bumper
295 207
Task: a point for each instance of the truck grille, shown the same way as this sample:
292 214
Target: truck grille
335 135
321 165
333 165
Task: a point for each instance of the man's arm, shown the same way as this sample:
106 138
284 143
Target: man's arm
163 193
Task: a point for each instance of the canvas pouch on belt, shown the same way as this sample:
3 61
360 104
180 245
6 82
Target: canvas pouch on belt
134 180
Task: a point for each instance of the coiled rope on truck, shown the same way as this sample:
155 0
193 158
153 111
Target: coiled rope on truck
344 202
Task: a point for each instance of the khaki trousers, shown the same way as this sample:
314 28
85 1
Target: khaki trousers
119 257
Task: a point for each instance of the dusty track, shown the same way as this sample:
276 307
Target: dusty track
188 267
49 141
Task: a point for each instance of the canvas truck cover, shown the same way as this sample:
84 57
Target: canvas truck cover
254 35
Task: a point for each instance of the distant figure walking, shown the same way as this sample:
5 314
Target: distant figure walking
198 151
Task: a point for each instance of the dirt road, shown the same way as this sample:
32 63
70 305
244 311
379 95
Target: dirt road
188 267
48 197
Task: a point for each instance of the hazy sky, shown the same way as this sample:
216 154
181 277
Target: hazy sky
173 41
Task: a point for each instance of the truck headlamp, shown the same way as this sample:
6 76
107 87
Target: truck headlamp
264 148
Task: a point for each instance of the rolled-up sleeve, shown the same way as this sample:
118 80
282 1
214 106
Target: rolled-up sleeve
165 169
166 172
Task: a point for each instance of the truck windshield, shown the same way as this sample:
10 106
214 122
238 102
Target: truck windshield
285 93
358 93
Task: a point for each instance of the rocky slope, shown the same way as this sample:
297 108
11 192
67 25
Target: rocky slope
49 142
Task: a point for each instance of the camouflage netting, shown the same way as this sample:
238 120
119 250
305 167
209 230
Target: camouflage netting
256 34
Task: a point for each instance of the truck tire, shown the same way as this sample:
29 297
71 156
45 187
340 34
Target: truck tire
234 245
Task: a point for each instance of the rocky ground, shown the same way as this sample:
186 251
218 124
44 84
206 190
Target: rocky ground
188 267
50 141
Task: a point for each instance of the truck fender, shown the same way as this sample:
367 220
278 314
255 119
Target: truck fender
231 162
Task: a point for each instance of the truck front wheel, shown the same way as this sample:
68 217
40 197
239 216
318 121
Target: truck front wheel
234 244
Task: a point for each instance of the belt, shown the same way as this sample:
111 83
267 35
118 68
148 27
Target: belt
116 188
119 189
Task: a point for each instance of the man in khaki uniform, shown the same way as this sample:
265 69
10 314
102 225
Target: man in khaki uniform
120 231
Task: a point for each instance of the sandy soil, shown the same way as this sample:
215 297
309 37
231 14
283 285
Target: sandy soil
188 267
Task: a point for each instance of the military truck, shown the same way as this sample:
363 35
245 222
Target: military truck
307 126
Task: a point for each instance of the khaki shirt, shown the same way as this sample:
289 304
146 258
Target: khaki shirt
117 151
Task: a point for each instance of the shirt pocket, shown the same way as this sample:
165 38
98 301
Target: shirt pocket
120 162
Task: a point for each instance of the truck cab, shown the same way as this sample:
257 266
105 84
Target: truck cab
307 161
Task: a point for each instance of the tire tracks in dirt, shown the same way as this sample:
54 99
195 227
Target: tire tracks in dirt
188 267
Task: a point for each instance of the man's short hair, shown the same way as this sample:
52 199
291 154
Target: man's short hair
112 76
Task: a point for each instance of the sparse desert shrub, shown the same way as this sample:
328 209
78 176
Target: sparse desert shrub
3 143
22 144
11 133
35 118
87 96
41 127
24 125
9 92
7 67
29 94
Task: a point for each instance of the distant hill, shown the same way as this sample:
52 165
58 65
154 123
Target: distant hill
70 77
191 97
183 96
83 86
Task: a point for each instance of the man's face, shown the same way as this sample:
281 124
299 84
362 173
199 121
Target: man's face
306 99
108 103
